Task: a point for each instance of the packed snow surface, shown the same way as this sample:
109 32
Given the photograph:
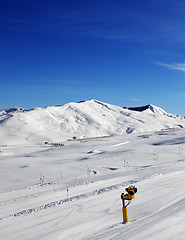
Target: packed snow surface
73 190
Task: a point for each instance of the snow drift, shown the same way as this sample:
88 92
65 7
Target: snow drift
85 119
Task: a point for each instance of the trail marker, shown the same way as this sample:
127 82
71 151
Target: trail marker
67 194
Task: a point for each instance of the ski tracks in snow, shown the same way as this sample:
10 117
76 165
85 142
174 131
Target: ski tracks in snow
71 199
74 198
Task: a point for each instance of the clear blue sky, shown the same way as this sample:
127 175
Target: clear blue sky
127 53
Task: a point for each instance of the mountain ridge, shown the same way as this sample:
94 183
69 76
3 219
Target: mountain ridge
138 108
91 118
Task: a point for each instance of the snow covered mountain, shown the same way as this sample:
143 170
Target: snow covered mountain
85 119
73 191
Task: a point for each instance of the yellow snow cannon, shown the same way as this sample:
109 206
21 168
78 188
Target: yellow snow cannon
131 190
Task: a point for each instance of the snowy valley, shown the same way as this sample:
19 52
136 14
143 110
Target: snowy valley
72 190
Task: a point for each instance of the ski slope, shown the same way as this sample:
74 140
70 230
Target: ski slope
73 191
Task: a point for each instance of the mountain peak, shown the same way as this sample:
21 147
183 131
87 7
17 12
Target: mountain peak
85 119
138 109
149 108
155 109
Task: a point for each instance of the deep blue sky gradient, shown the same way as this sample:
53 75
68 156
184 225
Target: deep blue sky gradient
127 53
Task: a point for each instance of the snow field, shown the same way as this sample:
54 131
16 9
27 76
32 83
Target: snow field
34 203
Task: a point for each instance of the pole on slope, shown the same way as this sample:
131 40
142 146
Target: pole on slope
127 197
67 194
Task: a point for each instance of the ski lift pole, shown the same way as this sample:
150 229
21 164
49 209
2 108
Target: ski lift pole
127 197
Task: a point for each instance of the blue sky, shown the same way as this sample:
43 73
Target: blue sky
127 53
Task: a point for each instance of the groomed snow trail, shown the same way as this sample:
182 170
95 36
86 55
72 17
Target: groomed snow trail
161 215
95 173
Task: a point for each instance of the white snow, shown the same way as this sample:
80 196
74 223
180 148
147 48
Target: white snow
119 144
73 191
80 120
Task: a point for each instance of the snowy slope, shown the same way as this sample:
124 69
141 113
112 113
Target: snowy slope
81 120
35 203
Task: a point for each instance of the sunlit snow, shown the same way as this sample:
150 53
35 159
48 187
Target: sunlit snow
72 190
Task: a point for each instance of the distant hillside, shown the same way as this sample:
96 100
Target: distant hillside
81 120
